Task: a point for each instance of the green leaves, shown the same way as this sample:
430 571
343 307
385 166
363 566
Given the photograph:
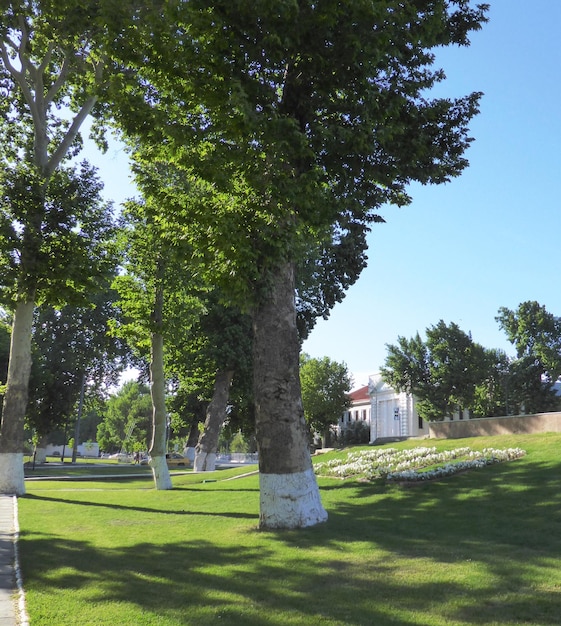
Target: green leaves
325 388
56 234
443 372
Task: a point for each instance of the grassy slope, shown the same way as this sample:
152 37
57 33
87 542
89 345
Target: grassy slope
483 547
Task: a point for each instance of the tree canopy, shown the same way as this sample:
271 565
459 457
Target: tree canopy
536 335
442 372
325 392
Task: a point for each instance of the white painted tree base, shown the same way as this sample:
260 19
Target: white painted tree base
40 455
12 479
160 472
205 462
290 500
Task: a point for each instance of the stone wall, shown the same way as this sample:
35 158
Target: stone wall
511 425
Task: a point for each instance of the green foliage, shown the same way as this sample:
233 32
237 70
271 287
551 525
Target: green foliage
355 433
56 236
536 335
238 443
443 372
325 388
127 419
71 345
157 265
288 126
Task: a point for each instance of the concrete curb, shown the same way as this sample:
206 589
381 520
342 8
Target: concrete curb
12 598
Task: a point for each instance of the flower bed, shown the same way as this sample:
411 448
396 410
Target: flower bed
415 464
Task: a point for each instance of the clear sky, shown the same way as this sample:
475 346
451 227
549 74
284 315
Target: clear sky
489 238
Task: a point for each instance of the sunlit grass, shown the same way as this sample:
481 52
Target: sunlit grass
480 547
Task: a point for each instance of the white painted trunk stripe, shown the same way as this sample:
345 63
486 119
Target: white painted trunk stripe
160 472
290 500
12 480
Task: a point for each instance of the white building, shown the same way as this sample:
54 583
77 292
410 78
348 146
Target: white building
393 413
386 412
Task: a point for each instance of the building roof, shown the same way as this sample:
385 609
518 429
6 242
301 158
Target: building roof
359 395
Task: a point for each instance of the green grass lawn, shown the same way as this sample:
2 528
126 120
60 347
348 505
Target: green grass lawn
480 547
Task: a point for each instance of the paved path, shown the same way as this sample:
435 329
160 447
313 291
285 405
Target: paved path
9 594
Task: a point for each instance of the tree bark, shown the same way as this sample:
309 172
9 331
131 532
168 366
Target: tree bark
289 494
15 401
160 470
205 459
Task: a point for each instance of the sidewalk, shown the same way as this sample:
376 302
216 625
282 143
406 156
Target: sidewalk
9 594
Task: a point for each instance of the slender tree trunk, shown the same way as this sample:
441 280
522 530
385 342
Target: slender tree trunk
160 470
15 401
205 459
78 420
289 494
40 455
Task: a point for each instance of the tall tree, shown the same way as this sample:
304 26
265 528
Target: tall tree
158 307
325 393
303 118
51 68
223 335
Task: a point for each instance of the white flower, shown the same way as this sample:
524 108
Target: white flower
409 464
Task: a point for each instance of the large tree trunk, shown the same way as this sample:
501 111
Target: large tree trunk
160 470
205 459
15 401
289 494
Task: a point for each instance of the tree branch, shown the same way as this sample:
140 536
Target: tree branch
64 145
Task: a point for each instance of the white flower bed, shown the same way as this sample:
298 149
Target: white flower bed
410 465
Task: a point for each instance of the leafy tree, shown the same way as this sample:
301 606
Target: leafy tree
126 424
536 335
492 394
442 372
73 354
51 67
214 361
325 393
158 308
294 123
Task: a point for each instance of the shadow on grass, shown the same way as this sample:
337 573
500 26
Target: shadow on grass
494 533
138 509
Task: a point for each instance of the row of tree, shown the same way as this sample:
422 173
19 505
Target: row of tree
449 372
265 138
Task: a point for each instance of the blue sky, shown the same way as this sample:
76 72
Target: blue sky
488 239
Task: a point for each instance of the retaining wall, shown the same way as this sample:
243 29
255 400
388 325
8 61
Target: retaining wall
511 425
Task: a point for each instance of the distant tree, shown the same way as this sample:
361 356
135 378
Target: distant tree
73 356
127 420
325 393
536 335
442 372
492 393
221 344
